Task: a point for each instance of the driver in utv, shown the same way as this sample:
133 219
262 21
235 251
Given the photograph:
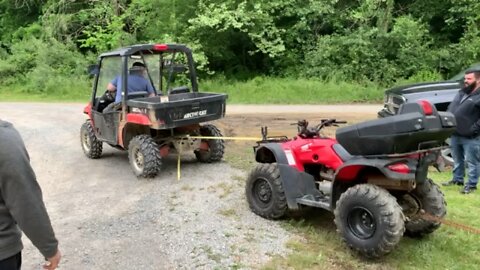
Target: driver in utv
136 83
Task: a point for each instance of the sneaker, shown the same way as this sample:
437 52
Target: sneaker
451 183
468 189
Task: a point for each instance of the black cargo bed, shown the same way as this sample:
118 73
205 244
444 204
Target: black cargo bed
181 109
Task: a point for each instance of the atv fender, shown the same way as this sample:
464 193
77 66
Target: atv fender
296 184
351 171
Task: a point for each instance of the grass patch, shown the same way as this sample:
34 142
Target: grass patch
240 156
228 212
271 90
227 189
211 254
187 187
224 189
75 92
260 90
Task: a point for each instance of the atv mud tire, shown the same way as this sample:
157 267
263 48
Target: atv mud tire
431 200
265 193
216 147
369 220
91 146
144 156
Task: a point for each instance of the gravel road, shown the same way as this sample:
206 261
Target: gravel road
106 218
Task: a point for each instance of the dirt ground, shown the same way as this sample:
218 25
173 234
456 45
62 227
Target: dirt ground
106 218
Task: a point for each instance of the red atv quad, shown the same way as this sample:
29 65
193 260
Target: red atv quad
373 176
150 127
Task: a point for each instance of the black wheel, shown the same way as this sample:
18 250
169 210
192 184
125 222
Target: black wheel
370 220
144 156
91 146
426 199
265 193
215 147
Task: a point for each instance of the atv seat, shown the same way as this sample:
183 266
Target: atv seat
342 152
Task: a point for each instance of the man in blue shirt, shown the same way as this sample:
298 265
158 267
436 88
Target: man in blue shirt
136 82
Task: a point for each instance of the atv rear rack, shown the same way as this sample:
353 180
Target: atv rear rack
408 153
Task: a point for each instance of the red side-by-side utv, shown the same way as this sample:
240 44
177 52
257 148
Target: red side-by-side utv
149 127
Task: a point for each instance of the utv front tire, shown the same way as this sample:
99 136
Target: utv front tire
91 146
369 220
265 193
216 147
430 199
144 156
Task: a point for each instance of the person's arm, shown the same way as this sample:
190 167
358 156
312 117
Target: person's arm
112 86
475 128
22 194
151 92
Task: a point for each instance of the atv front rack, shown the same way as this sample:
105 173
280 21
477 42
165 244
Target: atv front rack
272 139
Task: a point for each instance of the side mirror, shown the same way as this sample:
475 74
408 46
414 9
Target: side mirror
93 70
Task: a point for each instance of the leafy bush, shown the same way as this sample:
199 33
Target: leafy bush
43 67
370 54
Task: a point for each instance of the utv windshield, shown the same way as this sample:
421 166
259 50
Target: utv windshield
168 71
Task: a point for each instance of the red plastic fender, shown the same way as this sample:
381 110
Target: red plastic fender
88 109
136 118
349 173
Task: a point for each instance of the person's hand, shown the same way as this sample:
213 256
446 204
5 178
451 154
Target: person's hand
52 262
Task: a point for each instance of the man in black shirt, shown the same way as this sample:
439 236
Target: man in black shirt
465 142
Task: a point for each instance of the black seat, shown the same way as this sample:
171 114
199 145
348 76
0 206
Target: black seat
137 94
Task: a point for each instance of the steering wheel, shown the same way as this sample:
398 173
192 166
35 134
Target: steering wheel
109 96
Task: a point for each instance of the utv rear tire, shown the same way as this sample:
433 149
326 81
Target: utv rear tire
91 146
431 200
265 193
216 147
370 220
144 156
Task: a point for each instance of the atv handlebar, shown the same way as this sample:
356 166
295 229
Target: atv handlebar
305 132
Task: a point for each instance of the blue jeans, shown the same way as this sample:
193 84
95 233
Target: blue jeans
465 150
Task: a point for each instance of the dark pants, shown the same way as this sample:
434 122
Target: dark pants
12 263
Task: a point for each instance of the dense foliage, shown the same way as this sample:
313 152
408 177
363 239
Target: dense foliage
46 44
